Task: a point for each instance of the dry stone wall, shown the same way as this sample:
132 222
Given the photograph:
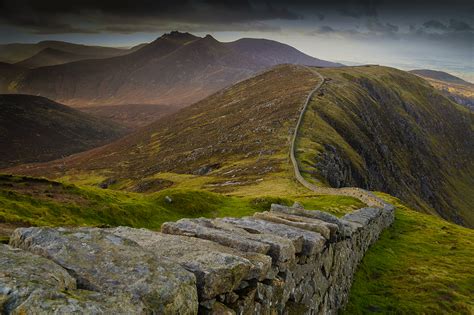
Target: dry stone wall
284 261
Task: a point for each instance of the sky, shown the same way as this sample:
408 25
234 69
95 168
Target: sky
405 34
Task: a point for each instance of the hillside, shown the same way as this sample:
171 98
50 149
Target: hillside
227 155
372 127
420 265
9 73
35 129
434 276
52 56
386 130
13 53
176 69
239 135
133 116
458 90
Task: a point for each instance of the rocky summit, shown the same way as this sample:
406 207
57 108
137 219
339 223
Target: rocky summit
285 260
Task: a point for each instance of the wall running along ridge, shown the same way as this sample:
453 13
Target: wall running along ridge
284 261
288 260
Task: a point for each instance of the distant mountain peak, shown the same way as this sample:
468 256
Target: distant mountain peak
177 35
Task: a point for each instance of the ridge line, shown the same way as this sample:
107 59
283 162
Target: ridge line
369 198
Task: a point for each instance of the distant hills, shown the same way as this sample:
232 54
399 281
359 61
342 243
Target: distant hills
176 69
457 89
52 56
373 127
35 129
14 53
439 75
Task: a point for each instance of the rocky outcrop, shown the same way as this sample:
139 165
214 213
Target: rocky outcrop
286 260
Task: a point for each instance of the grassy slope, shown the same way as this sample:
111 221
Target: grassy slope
412 269
420 265
32 201
391 132
241 133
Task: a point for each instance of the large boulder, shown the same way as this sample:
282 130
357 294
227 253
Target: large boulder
218 269
104 262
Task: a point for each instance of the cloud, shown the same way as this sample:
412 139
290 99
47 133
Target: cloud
453 26
361 8
459 26
121 16
434 24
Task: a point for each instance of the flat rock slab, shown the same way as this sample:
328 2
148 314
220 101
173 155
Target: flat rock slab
313 214
218 269
196 228
363 216
328 230
104 262
280 249
31 284
306 242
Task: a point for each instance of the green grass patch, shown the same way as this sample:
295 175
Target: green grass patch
420 265
40 202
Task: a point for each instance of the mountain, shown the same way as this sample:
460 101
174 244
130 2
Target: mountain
52 56
270 53
388 130
176 69
439 75
133 116
458 90
13 53
35 129
372 127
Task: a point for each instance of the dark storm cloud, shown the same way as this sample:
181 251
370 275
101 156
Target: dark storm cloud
434 24
454 25
124 16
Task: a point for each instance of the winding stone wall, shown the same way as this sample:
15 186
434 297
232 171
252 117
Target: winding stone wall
284 261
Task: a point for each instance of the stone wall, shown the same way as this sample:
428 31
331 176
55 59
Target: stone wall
285 261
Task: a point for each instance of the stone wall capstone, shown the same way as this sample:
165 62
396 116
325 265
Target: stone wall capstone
288 260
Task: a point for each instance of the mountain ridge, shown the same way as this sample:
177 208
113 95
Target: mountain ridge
175 69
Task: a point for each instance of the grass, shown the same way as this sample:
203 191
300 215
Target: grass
420 265
40 202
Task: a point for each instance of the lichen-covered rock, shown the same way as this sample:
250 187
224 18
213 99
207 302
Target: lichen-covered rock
104 262
328 230
363 216
31 284
22 273
281 249
218 269
298 210
77 302
197 228
306 242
